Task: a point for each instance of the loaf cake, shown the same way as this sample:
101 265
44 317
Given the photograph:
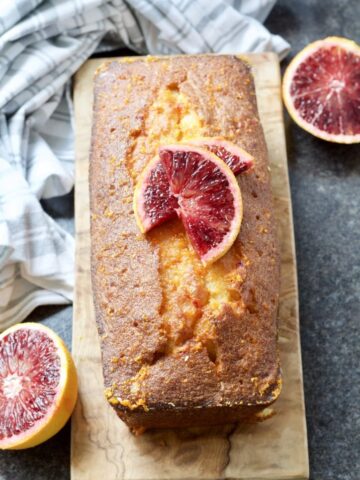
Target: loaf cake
182 344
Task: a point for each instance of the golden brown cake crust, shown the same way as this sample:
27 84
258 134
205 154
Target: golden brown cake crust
218 361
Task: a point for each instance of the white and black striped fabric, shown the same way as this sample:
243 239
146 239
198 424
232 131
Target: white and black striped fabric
42 44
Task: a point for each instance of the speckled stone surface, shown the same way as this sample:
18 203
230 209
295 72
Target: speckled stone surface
325 184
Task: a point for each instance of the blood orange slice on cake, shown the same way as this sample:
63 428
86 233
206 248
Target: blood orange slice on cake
236 158
153 200
207 196
321 90
38 385
158 204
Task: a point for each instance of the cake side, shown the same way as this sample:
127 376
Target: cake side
181 343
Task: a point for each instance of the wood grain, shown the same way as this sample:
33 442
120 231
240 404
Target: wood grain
102 447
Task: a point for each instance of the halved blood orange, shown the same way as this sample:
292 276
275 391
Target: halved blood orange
38 385
236 158
321 89
207 196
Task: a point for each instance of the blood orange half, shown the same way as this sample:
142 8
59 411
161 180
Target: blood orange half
321 89
207 196
38 385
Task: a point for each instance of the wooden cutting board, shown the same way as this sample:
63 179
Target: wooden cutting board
102 447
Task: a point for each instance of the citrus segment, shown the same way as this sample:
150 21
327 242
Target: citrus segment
38 385
153 201
208 196
236 158
321 90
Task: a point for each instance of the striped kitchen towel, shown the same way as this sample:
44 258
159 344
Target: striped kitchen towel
42 44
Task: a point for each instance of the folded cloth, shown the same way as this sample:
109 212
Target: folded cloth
42 44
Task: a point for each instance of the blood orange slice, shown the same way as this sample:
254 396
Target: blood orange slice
236 158
207 196
321 89
38 385
158 204
154 202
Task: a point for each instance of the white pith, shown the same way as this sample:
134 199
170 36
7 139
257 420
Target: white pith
12 385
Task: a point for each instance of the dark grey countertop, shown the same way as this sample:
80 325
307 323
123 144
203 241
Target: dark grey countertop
325 185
